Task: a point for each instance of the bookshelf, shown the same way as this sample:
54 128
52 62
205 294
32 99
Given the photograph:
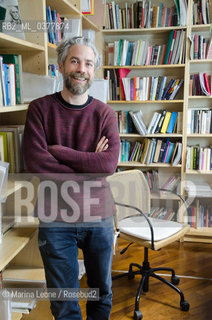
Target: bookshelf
37 52
204 140
182 102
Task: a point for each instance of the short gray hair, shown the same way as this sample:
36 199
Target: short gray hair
62 49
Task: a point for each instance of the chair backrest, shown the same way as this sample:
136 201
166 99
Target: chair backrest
129 187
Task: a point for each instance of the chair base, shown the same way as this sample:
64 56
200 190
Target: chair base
146 272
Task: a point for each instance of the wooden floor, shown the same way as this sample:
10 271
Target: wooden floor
191 261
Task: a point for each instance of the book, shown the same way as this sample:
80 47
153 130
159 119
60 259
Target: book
166 122
11 84
122 74
172 122
138 122
157 150
17 61
4 148
168 49
11 20
17 132
178 155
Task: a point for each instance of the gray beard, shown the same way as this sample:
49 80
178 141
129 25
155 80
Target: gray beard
75 88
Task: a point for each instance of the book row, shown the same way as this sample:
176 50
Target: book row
199 217
163 213
147 151
200 84
124 52
202 12
140 14
10 79
199 121
199 158
201 48
123 87
10 147
53 70
199 189
152 178
60 27
150 88
161 122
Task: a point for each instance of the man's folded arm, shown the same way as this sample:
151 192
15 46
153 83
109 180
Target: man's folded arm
95 162
37 158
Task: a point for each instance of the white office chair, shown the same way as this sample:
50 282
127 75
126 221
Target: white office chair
132 198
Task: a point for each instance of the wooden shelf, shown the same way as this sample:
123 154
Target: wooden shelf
159 66
199 135
152 165
195 172
199 97
18 107
142 30
17 316
88 24
11 188
156 135
52 54
52 46
166 196
12 243
199 61
201 27
17 45
200 231
64 7
20 272
144 101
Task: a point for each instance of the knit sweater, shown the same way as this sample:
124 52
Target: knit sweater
60 143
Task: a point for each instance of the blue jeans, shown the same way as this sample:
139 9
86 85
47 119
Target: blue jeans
58 244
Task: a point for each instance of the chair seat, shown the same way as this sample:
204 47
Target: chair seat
137 226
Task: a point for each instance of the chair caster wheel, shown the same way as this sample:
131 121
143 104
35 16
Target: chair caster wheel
184 305
175 280
138 315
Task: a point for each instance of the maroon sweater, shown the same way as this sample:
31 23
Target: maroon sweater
60 142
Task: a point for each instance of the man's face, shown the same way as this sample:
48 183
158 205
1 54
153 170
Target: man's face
78 69
14 13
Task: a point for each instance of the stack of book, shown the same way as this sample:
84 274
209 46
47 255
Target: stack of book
125 122
11 83
124 52
201 12
201 48
200 216
199 121
10 146
161 122
60 27
141 14
198 189
199 158
163 213
165 122
149 151
149 88
200 84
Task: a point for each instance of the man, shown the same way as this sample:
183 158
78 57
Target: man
68 133
15 15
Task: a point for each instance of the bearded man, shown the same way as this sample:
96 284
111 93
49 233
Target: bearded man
67 133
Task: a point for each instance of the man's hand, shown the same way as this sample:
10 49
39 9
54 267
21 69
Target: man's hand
102 145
